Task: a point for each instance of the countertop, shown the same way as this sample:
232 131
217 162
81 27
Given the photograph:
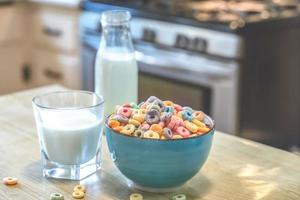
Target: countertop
236 168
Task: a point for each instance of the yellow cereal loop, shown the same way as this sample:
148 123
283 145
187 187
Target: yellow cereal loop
168 103
136 196
134 122
139 117
190 126
128 129
193 135
142 111
177 136
151 134
202 130
10 181
198 123
79 188
78 195
156 128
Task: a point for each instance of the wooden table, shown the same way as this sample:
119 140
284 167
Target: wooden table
236 168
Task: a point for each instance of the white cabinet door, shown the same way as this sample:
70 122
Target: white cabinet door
52 68
55 29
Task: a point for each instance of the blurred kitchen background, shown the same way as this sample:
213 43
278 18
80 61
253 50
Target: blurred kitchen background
237 60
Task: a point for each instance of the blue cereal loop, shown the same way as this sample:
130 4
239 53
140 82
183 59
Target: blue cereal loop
187 115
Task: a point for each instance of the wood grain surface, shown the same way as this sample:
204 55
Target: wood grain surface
236 169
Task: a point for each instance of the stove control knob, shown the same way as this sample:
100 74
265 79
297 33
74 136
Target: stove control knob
149 35
182 41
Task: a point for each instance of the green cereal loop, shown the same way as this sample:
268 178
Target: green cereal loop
134 105
56 196
179 197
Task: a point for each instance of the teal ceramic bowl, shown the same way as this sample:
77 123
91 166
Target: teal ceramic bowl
159 165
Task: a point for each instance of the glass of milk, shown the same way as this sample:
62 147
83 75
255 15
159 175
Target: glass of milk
69 126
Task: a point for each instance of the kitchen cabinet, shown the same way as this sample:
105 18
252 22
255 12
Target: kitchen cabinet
39 45
15 74
51 68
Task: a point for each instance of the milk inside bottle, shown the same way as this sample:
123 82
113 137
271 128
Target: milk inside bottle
116 73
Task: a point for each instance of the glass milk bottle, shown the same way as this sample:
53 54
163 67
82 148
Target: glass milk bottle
116 73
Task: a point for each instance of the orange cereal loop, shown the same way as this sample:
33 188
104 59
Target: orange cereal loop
10 181
113 123
202 130
156 128
168 103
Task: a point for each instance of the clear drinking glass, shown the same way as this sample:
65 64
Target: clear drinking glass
69 126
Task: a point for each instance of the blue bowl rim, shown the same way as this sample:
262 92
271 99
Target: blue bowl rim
212 129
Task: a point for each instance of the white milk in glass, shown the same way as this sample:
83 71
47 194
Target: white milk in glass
116 78
70 137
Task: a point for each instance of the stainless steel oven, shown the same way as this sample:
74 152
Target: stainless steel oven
188 76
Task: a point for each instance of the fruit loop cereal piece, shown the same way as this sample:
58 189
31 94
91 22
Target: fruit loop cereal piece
167 133
165 117
187 108
78 194
152 117
56 196
202 130
169 109
162 124
182 131
153 106
174 122
139 117
136 196
117 128
168 103
10 181
128 129
199 115
79 188
124 111
193 135
156 128
179 197
198 123
187 115
151 134
177 136
138 133
179 114
113 123
134 105
190 126
160 104
134 122
145 127
120 118
142 111
151 99
177 107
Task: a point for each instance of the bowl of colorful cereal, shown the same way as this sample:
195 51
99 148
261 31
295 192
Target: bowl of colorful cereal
158 145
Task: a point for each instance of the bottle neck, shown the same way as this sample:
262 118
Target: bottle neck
117 37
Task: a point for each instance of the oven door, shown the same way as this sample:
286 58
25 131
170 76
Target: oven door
195 80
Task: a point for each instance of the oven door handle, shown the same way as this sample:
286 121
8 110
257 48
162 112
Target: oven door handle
179 64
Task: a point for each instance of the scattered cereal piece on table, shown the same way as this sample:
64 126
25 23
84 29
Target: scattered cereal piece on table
10 181
79 188
136 196
179 197
78 194
56 196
